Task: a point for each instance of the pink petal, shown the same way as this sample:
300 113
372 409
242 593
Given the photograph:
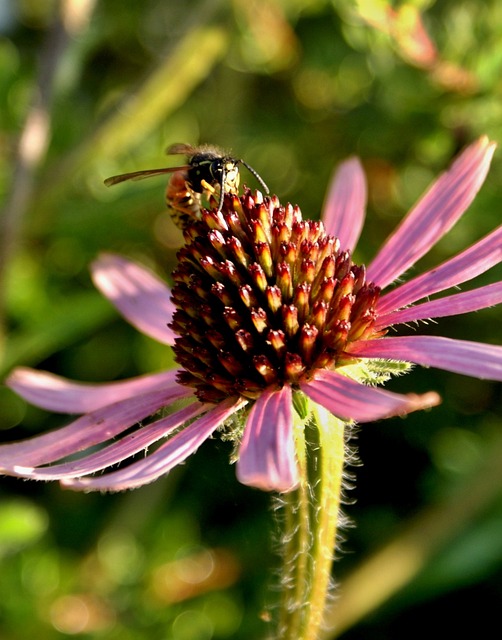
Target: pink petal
93 428
345 203
351 400
116 452
267 453
54 393
454 305
434 214
469 358
140 296
467 265
161 461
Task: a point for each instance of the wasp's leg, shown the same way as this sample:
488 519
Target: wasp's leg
208 187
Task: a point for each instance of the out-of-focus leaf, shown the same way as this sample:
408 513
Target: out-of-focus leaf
468 559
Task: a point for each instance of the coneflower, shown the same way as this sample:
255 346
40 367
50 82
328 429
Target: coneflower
281 341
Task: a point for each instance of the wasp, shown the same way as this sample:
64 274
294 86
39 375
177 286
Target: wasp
209 172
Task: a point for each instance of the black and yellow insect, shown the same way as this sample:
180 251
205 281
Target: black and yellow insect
209 171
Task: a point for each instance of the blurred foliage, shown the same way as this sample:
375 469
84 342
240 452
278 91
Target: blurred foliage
89 90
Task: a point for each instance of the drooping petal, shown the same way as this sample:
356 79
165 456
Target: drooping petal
170 454
267 453
434 214
351 400
345 203
55 393
464 267
89 430
461 356
140 296
454 305
116 452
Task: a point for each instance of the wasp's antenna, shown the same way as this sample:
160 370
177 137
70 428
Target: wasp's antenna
256 175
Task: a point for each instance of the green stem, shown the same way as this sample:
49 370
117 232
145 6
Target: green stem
311 516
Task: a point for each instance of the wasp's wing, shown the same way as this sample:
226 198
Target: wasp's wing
141 175
180 148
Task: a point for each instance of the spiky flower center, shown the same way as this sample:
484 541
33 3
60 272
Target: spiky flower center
264 298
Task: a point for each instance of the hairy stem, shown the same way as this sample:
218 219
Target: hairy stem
311 517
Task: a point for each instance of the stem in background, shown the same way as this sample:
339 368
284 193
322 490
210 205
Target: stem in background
30 151
311 516
35 136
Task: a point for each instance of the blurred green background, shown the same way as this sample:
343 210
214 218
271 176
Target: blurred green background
90 89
